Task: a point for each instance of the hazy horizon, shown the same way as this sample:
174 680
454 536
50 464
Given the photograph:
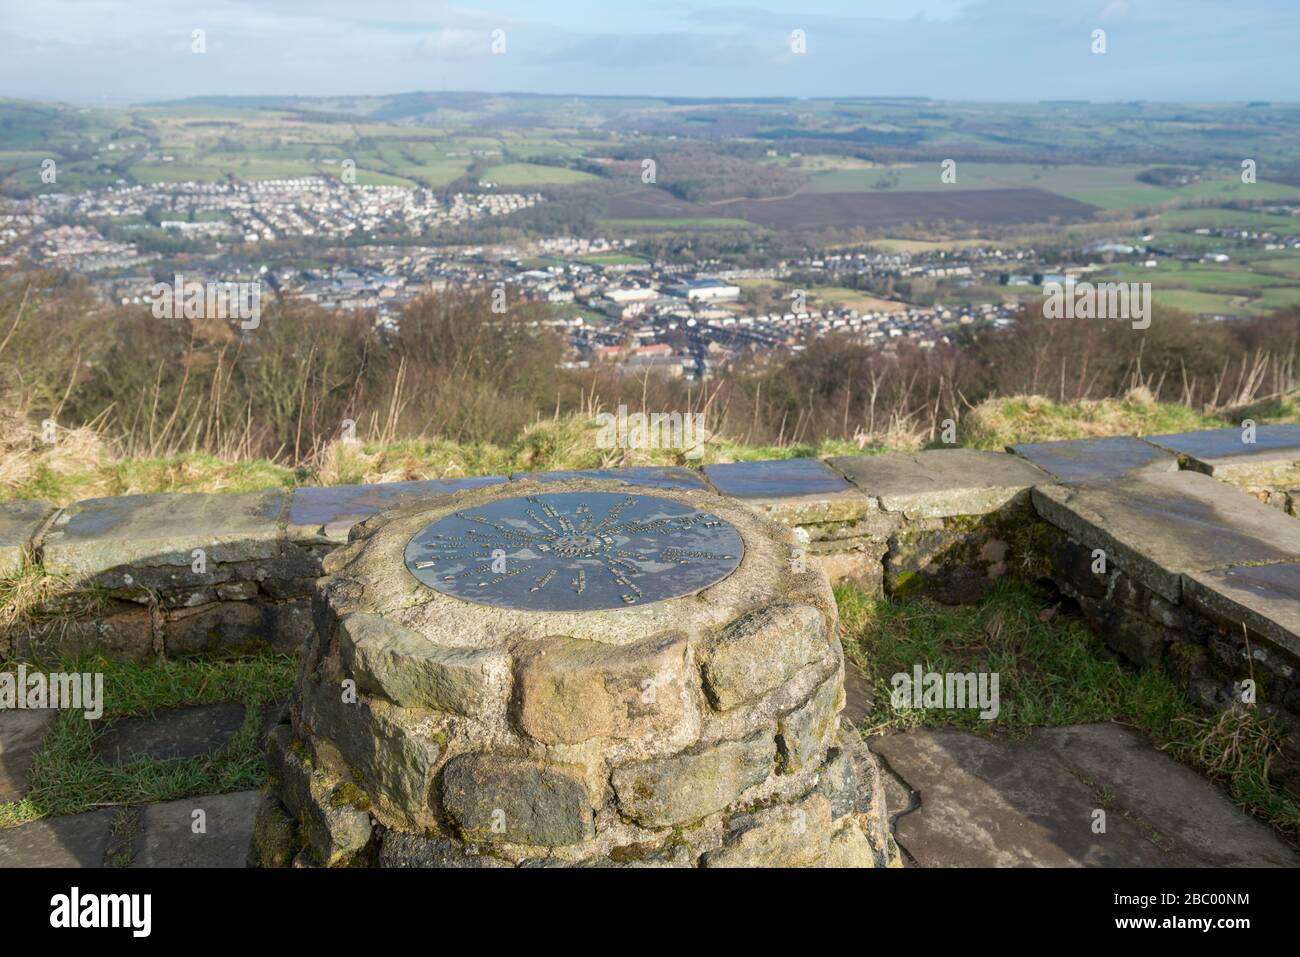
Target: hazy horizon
110 51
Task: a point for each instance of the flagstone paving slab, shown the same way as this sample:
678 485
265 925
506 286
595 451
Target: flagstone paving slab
1161 525
649 475
1000 802
984 802
326 514
1216 451
163 529
1074 461
21 735
80 840
167 835
795 491
941 483
172 733
1265 597
20 520
1194 816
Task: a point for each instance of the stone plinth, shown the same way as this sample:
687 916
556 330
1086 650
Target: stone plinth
572 673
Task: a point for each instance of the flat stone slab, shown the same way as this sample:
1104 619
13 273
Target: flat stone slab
1090 460
1162 525
1200 825
1215 451
325 514
1265 597
93 536
20 520
998 802
940 483
80 840
21 734
985 802
171 734
168 835
794 491
652 476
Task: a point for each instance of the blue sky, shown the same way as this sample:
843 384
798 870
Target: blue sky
135 50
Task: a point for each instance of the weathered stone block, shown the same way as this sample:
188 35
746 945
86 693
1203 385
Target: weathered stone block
123 632
275 834
849 846
793 491
955 561
761 651
93 536
215 628
395 761
1164 524
404 849
782 836
838 783
237 591
862 568
1094 460
684 787
20 520
940 483
571 690
333 829
1273 457
1265 597
411 671
287 625
804 733
493 798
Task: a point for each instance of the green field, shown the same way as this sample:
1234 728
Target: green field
1110 187
532 174
614 259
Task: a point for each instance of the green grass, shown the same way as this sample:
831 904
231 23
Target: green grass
176 173
997 423
1052 672
67 777
613 259
533 174
1110 187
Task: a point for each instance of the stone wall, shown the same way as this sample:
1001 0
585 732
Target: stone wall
1198 578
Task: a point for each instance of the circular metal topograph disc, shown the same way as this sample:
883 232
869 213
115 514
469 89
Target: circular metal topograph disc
574 551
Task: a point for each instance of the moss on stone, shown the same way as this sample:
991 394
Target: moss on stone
352 795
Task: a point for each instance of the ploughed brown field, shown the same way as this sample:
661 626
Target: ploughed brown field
818 210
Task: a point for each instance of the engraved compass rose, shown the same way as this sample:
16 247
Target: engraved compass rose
573 551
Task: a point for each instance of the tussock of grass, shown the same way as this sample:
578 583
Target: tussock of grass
1052 672
997 423
67 778
37 597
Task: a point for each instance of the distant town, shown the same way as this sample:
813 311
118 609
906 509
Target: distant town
614 307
